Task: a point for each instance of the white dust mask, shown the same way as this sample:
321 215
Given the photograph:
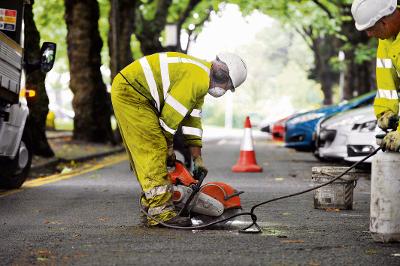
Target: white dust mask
216 92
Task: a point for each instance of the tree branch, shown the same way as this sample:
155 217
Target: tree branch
200 23
324 8
306 34
162 13
306 37
191 5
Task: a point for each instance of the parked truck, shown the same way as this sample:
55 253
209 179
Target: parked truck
15 140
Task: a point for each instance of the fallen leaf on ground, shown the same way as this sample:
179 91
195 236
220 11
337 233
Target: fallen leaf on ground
332 210
51 222
78 255
395 255
279 178
104 219
292 241
371 251
44 252
43 255
66 170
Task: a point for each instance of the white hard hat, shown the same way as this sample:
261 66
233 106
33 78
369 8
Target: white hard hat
367 12
237 67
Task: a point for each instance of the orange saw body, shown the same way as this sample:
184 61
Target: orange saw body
213 200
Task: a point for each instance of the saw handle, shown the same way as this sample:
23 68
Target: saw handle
196 188
200 178
380 136
393 122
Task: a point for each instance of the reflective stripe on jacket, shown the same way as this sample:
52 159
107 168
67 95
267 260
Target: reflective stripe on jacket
387 76
177 84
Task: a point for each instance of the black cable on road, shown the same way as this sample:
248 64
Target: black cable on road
252 215
310 189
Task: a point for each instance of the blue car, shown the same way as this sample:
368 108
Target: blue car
300 129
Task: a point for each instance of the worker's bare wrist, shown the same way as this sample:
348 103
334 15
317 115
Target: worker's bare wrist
195 151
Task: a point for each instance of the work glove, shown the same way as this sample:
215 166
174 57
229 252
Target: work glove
388 120
199 167
171 157
391 142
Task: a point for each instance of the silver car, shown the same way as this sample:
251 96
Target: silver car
333 132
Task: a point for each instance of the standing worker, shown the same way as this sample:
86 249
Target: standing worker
381 19
153 96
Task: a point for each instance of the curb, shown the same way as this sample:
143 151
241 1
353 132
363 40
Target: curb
54 161
58 134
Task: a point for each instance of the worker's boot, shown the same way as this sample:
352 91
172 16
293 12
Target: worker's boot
178 221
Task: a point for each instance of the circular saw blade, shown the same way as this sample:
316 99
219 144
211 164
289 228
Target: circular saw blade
204 219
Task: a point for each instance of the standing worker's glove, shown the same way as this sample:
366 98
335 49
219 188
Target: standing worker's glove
171 157
391 141
199 167
388 120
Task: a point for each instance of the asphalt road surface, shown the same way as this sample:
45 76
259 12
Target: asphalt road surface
92 218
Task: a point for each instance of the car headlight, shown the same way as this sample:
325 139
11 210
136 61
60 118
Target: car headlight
327 135
366 127
305 118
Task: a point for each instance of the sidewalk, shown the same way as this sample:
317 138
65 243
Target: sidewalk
70 151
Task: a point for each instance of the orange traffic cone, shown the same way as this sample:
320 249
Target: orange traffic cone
247 159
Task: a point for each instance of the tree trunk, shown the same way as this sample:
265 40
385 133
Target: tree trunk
35 80
91 101
148 32
122 18
324 48
359 78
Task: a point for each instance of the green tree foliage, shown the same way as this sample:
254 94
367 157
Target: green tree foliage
152 17
190 16
277 82
49 18
318 19
319 22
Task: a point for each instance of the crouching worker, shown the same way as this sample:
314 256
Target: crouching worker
153 96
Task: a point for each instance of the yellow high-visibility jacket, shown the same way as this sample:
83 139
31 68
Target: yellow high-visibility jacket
176 84
387 76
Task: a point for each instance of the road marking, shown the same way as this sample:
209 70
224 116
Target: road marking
40 181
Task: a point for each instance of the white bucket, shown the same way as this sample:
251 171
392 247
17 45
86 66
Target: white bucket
385 197
339 194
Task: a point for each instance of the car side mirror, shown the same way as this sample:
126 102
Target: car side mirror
48 56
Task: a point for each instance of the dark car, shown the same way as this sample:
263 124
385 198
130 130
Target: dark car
300 129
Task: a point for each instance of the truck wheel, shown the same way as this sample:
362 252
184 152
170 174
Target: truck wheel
17 170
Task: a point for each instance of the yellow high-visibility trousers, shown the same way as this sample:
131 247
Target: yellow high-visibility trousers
146 145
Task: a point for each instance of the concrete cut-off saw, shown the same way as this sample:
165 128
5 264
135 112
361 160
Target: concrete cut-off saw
203 203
